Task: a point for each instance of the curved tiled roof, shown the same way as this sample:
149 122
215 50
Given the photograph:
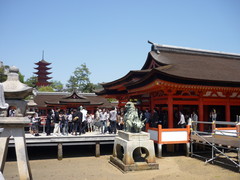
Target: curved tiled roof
44 98
199 67
183 65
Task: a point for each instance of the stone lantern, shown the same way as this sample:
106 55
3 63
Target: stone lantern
14 92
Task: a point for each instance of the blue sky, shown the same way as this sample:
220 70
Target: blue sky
110 36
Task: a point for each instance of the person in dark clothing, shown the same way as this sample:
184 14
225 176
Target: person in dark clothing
48 122
56 130
64 123
155 118
70 122
77 121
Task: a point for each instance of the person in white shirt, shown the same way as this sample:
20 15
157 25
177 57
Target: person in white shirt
194 119
103 120
213 115
113 120
12 112
89 123
97 123
84 120
97 115
182 121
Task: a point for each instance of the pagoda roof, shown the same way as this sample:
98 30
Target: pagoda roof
40 72
45 83
42 68
43 62
181 65
44 77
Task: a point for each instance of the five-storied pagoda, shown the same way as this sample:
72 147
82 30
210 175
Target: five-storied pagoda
42 73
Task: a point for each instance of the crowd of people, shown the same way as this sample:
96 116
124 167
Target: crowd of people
79 121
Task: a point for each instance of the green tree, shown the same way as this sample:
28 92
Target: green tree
89 88
80 79
71 84
21 77
98 86
45 89
31 81
57 86
3 76
3 71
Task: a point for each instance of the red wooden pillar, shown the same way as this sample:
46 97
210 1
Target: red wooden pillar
152 104
201 114
119 101
227 111
170 111
147 127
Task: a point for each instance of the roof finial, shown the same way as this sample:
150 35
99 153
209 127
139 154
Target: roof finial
154 46
151 42
43 55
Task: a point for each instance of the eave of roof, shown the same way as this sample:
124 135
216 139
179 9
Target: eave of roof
158 74
125 78
43 62
73 101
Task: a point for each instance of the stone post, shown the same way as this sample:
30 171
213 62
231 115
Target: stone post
238 129
14 126
60 151
97 149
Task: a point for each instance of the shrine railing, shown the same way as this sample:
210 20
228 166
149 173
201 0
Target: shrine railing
169 135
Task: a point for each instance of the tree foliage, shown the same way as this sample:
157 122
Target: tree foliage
31 82
98 86
21 77
4 70
3 76
57 86
45 89
89 88
80 80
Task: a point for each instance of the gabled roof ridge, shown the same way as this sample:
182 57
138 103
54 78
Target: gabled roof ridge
64 93
52 93
74 95
185 50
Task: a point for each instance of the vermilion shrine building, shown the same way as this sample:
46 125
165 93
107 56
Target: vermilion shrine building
182 79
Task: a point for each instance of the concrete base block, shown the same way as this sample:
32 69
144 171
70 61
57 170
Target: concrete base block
133 167
134 151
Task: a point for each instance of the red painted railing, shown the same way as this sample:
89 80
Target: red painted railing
169 135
